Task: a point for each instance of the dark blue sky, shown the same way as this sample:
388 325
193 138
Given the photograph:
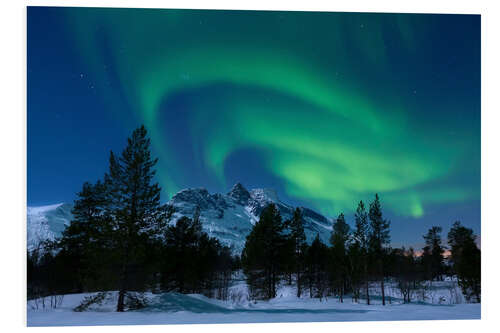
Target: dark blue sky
70 129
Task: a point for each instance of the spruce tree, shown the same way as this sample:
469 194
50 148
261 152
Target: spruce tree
261 256
193 262
378 239
361 239
316 259
433 251
83 245
134 207
298 238
466 258
355 271
404 269
340 243
181 268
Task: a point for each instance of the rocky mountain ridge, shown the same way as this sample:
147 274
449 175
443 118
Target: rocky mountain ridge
228 217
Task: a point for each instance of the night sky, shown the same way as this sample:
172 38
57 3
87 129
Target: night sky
327 108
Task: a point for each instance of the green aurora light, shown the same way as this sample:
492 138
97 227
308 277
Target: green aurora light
332 141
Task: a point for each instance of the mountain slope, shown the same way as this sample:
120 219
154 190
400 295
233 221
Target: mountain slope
46 223
228 217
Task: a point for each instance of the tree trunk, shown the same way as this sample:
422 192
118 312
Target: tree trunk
273 285
299 289
120 307
269 284
366 282
383 291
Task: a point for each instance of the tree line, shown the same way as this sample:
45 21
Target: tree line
276 252
121 238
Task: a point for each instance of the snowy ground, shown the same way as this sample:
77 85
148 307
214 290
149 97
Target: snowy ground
174 308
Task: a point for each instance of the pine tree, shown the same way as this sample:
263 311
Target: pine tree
83 246
466 258
404 269
355 272
193 262
298 238
134 208
261 256
340 243
378 239
433 251
316 260
181 242
361 239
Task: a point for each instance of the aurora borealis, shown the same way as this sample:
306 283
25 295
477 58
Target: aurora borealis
329 108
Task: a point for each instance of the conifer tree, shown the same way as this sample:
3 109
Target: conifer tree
193 262
298 238
316 260
361 239
378 239
181 241
190 257
261 256
340 243
432 256
355 272
466 258
404 269
134 208
83 244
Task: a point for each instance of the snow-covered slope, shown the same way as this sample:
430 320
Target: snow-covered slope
174 308
46 223
228 217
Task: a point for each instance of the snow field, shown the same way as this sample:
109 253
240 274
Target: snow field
174 308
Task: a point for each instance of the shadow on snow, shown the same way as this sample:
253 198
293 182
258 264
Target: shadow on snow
173 302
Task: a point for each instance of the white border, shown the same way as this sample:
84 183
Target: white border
422 6
13 157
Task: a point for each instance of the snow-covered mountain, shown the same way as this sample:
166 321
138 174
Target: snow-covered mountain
228 217
46 223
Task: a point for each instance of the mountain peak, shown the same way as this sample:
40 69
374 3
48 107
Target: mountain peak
228 217
239 193
265 195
